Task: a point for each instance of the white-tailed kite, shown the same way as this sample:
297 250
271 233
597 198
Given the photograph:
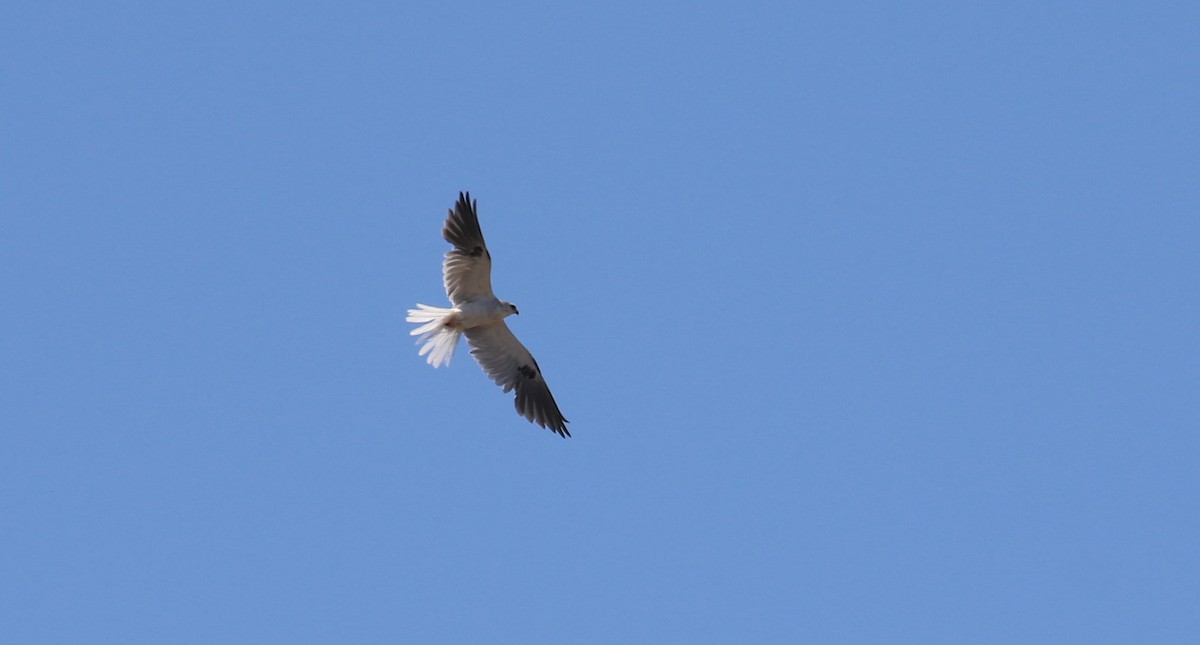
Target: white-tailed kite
478 313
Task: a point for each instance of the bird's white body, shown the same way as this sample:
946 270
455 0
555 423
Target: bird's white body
485 311
444 326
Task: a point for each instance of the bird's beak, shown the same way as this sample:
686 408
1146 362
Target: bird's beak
516 311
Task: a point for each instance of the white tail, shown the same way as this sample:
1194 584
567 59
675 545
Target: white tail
439 339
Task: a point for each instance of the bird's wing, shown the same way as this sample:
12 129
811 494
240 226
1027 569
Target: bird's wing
467 269
510 365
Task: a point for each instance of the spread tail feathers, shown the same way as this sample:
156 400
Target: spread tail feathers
439 339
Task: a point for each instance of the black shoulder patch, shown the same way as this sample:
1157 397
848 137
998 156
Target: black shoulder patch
527 371
477 251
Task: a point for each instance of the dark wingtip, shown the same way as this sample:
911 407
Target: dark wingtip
462 227
465 201
560 428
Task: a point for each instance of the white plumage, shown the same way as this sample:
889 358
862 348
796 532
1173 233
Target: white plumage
478 313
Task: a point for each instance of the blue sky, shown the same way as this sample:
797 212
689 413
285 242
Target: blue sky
874 322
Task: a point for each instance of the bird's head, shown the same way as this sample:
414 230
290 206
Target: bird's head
512 309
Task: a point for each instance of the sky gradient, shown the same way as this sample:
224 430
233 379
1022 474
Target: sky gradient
874 323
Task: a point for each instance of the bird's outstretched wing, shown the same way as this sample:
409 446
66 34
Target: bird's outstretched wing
467 269
511 366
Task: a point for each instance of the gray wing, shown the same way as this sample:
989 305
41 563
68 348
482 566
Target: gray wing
510 365
467 269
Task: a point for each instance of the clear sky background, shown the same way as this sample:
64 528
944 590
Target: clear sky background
874 322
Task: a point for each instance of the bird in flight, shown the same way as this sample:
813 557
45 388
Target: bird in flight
478 313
